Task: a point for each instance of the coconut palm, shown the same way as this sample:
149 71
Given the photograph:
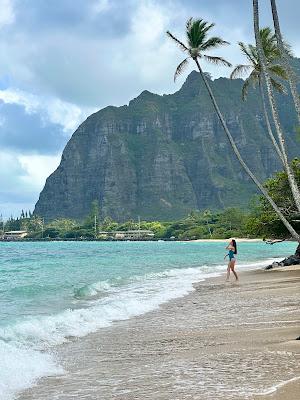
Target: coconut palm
267 80
253 69
285 59
197 43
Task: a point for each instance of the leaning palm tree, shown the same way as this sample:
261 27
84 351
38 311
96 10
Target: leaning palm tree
253 69
198 43
285 59
267 80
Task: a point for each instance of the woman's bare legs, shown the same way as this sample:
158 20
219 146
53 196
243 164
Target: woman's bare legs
228 272
232 265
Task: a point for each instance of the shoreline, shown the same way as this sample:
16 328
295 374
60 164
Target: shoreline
243 240
186 334
24 240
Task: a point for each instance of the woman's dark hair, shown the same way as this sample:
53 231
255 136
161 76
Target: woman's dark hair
234 245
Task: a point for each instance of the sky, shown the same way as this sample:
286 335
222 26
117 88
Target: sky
61 60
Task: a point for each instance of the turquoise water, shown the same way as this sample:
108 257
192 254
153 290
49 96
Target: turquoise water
55 290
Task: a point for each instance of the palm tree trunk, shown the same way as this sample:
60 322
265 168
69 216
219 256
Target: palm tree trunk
269 128
286 223
291 177
285 60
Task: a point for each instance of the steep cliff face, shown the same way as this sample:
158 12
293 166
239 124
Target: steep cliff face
163 156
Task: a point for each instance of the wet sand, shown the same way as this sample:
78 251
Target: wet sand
244 240
222 341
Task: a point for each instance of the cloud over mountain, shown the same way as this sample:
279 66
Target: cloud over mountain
63 59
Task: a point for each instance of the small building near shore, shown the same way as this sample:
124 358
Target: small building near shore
13 235
133 235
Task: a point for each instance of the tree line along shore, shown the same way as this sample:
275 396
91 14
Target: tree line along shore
258 220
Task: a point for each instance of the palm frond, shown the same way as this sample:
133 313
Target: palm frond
278 86
252 80
248 52
269 44
181 67
240 70
205 26
189 24
217 60
181 45
245 89
213 43
288 48
196 31
278 71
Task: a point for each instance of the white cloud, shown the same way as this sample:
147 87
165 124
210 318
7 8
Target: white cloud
64 68
21 180
99 6
68 115
149 23
7 15
150 52
37 168
27 100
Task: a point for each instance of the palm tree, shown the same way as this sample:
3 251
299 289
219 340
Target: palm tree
253 67
266 79
198 42
285 56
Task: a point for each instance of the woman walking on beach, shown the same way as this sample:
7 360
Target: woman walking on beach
232 251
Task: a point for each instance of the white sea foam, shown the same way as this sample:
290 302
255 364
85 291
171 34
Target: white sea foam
20 368
92 290
139 297
22 355
22 346
274 388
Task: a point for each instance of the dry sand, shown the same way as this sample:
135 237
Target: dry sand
222 341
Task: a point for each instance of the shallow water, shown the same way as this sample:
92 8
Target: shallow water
51 292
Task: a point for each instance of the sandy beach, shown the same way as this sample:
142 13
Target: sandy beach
243 240
222 341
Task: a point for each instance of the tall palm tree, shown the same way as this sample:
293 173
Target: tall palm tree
198 43
285 59
266 79
254 78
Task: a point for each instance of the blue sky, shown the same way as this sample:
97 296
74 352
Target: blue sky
61 60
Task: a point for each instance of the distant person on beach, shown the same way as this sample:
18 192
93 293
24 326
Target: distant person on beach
232 252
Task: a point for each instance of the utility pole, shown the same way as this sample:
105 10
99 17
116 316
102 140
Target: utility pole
139 219
95 226
2 225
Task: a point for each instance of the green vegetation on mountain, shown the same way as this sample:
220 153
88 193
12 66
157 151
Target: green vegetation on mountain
161 157
259 220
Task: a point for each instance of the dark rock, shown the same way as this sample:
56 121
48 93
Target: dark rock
298 338
297 253
269 267
291 260
162 156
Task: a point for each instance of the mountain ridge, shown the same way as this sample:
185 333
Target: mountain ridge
162 156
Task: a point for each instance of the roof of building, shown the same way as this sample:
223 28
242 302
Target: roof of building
134 231
15 232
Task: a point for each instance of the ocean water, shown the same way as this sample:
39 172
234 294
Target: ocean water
53 291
